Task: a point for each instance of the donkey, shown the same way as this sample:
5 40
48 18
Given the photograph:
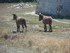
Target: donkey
46 20
19 21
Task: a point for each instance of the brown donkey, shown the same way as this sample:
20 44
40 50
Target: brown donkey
46 20
19 21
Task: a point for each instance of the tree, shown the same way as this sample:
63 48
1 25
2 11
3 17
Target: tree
15 1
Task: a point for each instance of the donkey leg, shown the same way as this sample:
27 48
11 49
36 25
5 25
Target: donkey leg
45 28
18 28
22 28
50 29
25 26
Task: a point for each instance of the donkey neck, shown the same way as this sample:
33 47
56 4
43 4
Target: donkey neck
15 17
41 16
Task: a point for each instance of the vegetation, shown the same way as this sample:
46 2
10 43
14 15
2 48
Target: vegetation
15 1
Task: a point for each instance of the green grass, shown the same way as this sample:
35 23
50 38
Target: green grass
31 19
29 16
31 3
56 25
64 20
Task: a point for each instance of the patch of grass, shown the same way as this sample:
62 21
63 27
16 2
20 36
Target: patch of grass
64 20
31 19
55 25
29 16
31 3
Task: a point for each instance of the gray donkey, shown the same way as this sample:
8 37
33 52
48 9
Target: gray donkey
46 20
19 21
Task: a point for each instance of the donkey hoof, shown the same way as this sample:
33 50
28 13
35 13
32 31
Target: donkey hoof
21 31
50 31
18 31
45 31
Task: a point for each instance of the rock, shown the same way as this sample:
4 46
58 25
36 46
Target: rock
21 5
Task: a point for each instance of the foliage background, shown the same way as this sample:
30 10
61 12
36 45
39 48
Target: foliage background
15 1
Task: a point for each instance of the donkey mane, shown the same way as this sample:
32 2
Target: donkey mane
44 17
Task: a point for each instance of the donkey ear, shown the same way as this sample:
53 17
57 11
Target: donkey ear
13 14
39 13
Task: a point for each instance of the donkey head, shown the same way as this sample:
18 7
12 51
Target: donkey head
40 16
14 16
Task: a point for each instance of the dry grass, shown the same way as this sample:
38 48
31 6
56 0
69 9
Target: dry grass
48 45
38 44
